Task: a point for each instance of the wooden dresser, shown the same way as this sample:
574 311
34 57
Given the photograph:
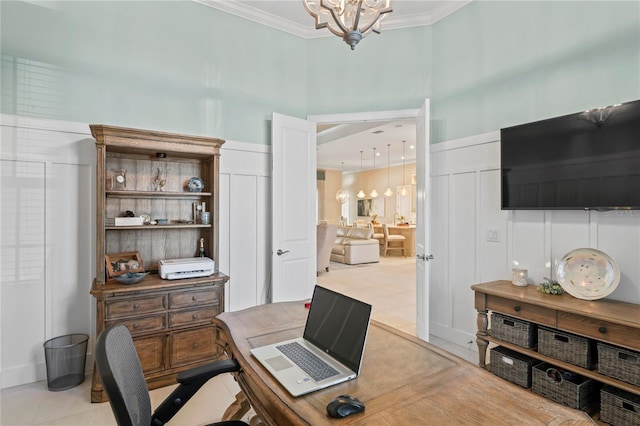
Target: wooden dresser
170 320
608 321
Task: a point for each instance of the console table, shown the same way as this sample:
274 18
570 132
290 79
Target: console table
609 321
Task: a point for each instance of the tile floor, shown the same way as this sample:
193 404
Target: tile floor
389 286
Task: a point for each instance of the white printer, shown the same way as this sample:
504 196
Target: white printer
190 267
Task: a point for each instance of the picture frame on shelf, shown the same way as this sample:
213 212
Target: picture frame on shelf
121 263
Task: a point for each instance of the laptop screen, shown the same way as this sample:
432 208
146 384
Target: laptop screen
338 324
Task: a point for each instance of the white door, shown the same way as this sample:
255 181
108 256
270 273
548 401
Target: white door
423 254
293 210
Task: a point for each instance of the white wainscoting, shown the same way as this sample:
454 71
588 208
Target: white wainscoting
47 225
245 223
47 240
465 184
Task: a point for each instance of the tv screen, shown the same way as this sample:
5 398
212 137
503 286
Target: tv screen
588 160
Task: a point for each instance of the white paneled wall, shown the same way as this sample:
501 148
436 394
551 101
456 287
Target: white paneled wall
47 215
245 223
47 240
465 207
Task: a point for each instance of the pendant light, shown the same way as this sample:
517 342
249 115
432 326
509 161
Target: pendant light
374 193
342 196
388 192
361 193
403 191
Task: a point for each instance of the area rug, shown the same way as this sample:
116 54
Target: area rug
334 266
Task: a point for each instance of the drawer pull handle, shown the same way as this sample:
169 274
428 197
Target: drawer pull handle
194 316
602 330
136 305
564 339
195 345
517 308
136 325
627 357
194 298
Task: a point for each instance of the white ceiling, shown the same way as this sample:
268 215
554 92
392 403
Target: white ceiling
290 15
343 143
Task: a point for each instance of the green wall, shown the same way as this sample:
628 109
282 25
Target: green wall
183 67
167 65
386 71
500 63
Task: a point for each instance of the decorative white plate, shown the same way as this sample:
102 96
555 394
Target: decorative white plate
588 274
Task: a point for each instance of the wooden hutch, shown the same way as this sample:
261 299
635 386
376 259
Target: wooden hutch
147 174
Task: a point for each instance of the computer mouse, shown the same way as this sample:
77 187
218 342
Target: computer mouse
344 405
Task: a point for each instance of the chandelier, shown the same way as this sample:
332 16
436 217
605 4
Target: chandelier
342 196
350 19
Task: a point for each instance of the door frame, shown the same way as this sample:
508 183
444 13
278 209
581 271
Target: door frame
359 117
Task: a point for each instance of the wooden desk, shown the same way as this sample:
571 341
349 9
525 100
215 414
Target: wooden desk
403 380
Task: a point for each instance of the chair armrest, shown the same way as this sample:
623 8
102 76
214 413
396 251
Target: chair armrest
190 381
207 371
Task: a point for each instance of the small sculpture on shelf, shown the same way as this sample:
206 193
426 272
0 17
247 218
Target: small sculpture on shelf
158 183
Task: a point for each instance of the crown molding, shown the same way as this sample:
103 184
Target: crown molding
308 31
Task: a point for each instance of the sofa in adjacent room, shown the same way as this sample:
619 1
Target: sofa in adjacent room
354 246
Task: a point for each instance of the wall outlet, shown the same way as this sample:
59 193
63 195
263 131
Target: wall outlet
493 236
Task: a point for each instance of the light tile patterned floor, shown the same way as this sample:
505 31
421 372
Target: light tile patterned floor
389 286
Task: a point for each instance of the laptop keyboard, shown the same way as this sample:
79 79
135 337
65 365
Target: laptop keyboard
311 364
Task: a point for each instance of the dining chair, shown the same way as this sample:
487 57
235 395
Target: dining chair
393 241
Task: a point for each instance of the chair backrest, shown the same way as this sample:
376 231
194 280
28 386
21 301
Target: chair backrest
385 229
122 377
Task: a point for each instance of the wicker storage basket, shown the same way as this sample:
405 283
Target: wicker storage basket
513 330
619 407
619 363
576 391
512 366
566 347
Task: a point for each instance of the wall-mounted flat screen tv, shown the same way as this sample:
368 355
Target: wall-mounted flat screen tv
584 161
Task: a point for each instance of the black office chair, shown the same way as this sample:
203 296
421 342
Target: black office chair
122 378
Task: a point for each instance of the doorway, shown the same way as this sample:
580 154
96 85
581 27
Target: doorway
422 165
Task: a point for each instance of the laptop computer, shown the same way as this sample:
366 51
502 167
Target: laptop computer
335 333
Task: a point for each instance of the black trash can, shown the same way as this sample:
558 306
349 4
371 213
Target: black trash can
65 357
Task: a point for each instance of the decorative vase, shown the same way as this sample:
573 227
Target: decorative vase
519 277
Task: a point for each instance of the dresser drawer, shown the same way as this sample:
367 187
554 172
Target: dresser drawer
534 313
135 305
186 299
140 325
151 353
604 331
192 346
193 316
